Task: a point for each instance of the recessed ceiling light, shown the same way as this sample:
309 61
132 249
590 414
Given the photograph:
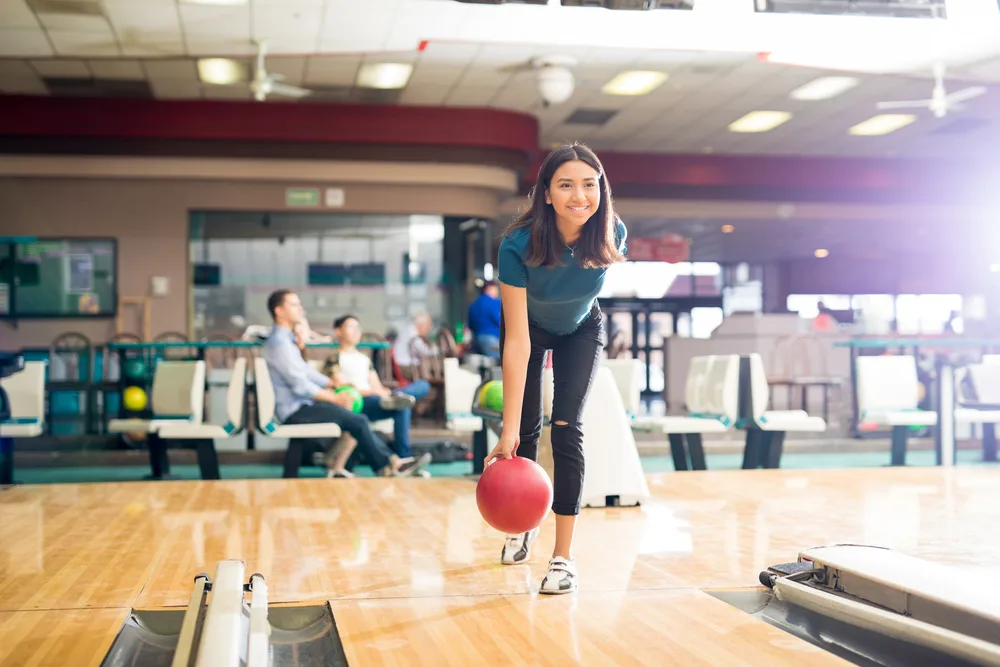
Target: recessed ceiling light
214 2
634 82
727 229
882 124
760 121
384 76
821 253
221 71
824 88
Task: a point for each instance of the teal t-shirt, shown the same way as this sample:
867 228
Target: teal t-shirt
560 297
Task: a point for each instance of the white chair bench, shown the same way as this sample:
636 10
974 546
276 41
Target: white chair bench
711 396
460 387
766 429
269 426
178 395
888 395
982 403
202 435
26 393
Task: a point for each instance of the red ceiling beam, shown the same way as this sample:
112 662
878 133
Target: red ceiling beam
244 121
308 125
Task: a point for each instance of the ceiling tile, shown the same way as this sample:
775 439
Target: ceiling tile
210 92
117 69
293 69
91 43
349 28
175 89
294 20
471 96
15 14
152 46
74 23
62 69
436 74
450 52
171 70
332 70
24 43
201 46
23 85
207 22
426 94
479 76
11 68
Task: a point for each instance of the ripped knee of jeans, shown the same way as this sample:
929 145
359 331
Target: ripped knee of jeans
561 423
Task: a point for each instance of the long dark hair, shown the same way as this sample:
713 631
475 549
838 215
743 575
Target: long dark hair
597 246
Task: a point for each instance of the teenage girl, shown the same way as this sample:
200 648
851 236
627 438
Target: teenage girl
552 264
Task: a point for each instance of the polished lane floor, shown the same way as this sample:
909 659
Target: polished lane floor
413 575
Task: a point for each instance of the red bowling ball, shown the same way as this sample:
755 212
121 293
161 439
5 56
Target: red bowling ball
514 495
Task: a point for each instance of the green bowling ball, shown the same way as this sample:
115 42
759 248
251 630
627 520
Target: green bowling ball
359 400
493 396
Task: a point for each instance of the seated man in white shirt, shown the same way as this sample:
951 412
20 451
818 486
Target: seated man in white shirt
303 395
351 366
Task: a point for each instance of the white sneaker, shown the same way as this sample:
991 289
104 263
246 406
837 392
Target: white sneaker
561 577
517 548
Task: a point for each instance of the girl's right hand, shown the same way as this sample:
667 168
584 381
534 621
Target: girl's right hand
506 448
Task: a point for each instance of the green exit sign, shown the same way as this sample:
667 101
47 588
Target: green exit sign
301 197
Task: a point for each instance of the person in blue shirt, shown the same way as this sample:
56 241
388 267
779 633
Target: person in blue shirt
303 395
552 263
484 321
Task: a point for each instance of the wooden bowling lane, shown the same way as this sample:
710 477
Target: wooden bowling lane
390 551
669 627
115 545
75 546
77 637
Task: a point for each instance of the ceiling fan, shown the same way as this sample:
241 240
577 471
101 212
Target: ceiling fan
940 102
264 84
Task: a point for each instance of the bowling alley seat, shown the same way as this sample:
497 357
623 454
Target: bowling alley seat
268 425
766 429
459 391
202 435
712 396
178 395
888 395
981 402
22 407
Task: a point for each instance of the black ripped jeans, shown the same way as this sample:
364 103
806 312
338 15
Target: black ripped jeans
575 358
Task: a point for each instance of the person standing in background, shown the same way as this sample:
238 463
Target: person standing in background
484 321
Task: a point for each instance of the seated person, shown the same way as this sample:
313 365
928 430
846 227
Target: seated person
414 345
350 366
303 395
484 321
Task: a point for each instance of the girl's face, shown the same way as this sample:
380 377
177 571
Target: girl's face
574 192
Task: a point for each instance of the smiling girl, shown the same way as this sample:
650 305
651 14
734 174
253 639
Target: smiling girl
552 263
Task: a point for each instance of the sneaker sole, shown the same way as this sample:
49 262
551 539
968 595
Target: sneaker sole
527 554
